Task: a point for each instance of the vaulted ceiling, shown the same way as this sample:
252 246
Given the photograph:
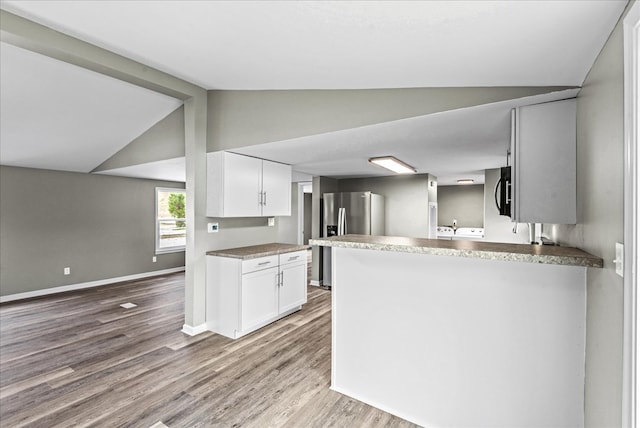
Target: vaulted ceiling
344 44
278 45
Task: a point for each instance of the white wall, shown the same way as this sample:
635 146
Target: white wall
460 342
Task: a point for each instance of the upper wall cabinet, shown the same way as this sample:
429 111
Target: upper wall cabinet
543 148
243 186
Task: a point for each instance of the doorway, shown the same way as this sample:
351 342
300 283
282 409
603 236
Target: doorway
304 212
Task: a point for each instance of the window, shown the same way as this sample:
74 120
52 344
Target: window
171 228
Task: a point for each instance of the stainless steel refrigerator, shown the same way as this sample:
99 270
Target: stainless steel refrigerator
345 213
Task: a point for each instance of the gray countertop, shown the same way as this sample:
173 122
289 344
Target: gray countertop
256 251
545 254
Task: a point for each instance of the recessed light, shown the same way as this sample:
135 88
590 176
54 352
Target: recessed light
465 181
393 164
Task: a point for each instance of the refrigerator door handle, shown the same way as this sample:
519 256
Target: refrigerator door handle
344 221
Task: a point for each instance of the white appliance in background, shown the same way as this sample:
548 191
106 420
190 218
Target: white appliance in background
445 232
469 234
461 233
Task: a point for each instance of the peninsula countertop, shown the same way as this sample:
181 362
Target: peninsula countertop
255 251
544 254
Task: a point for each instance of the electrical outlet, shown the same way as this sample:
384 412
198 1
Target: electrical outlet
213 227
271 221
67 271
154 259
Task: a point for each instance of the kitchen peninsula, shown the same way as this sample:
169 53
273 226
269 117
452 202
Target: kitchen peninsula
460 333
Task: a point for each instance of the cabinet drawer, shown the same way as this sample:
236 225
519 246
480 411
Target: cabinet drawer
260 263
293 257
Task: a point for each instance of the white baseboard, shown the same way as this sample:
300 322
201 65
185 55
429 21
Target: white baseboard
192 331
81 285
315 283
377 405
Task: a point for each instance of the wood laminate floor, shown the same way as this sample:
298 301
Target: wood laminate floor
79 359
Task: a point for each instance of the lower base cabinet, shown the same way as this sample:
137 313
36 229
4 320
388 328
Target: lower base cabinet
259 298
293 272
244 295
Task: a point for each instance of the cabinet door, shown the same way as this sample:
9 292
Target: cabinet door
293 288
544 171
242 186
276 185
259 299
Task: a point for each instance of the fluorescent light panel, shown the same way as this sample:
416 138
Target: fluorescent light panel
465 181
393 164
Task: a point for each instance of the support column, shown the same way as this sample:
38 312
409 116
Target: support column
195 121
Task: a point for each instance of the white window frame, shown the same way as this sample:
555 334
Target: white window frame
157 220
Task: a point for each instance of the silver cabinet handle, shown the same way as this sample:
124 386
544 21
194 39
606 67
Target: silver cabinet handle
264 263
265 198
293 258
260 198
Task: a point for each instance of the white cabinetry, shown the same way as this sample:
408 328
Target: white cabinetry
543 150
258 297
243 186
244 295
276 189
293 272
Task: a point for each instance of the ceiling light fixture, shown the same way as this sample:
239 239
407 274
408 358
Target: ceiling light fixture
393 164
465 181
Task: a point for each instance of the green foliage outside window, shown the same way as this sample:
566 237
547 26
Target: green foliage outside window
176 207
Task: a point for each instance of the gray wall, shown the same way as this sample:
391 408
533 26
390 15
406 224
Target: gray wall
600 226
241 232
307 225
463 203
406 201
288 226
164 140
320 185
100 226
244 118
499 228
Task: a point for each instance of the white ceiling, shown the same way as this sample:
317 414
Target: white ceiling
169 170
345 44
62 117
58 116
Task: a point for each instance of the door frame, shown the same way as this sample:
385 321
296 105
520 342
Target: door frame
631 28
301 191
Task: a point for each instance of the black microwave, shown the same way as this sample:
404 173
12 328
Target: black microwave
503 190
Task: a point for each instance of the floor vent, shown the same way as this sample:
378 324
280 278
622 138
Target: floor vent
128 305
